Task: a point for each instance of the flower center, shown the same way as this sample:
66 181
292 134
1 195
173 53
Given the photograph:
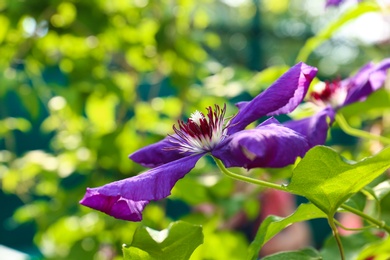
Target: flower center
329 93
201 133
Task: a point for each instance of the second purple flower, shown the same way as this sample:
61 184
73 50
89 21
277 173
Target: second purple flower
329 97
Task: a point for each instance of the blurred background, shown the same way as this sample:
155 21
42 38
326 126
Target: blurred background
85 83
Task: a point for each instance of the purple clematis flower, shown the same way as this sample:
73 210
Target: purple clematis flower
268 145
335 2
329 97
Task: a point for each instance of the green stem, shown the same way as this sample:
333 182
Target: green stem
357 132
336 236
247 179
353 229
378 223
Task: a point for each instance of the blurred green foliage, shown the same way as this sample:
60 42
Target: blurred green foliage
85 83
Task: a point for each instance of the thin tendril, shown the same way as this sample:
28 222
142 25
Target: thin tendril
377 223
357 132
353 229
246 178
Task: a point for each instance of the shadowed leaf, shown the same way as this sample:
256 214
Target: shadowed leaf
178 241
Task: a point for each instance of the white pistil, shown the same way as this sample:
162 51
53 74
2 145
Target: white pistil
319 87
201 133
333 94
196 117
338 97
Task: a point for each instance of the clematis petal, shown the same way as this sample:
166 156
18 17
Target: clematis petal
367 80
126 199
333 2
280 98
116 206
157 154
270 145
384 64
314 128
271 120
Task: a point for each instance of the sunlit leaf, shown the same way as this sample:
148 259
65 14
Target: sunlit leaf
198 192
101 111
66 13
11 123
67 230
146 118
327 180
29 212
178 241
276 7
272 225
376 250
252 208
10 180
230 244
382 189
201 18
3 29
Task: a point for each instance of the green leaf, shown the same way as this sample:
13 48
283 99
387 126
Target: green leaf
327 180
100 110
197 195
272 225
4 20
12 123
382 189
218 243
304 254
178 241
373 107
357 201
376 250
315 41
30 101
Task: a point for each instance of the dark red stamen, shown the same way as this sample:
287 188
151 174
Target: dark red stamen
200 132
328 91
